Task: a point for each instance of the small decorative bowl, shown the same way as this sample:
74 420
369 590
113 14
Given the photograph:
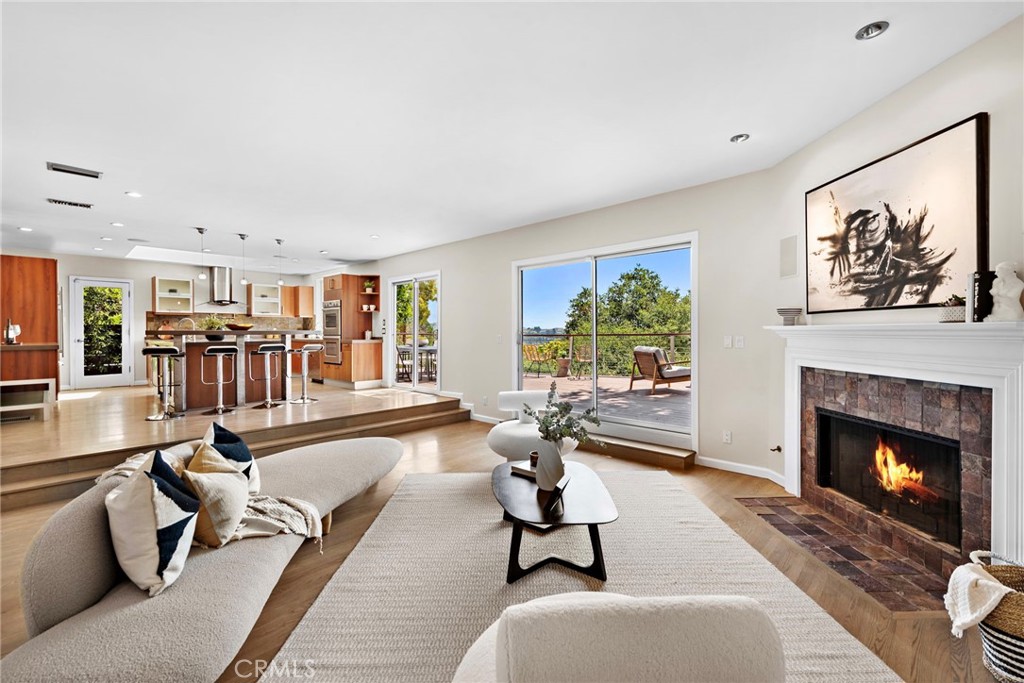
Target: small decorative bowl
239 326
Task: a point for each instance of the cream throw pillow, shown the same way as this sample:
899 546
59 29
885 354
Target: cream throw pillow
152 518
223 492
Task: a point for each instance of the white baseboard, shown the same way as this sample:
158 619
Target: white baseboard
740 468
485 418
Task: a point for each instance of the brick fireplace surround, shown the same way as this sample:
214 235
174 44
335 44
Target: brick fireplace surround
952 411
960 380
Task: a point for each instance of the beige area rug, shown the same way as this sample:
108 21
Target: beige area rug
429 576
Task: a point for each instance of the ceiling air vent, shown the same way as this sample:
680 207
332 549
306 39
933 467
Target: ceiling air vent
137 239
73 170
64 202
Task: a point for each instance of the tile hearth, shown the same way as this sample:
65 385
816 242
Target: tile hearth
898 583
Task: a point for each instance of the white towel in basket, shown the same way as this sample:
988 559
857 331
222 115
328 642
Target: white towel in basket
972 594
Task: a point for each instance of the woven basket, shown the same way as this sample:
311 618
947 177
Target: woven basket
1002 631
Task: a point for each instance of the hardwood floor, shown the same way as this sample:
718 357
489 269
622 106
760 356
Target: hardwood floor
917 645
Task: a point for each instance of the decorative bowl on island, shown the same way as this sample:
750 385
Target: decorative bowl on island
239 326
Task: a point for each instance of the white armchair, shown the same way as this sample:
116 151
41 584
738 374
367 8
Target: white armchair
594 637
514 439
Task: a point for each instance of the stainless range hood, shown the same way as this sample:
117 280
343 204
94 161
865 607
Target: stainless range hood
220 286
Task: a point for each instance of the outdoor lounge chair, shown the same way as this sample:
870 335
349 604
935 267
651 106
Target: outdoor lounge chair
533 358
649 363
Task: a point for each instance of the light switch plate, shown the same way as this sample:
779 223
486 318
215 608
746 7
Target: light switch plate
727 341
740 342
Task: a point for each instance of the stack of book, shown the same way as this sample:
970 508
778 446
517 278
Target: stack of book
523 469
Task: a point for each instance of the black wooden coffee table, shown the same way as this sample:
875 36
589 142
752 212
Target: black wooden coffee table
584 501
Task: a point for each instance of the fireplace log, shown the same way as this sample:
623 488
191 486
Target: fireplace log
920 491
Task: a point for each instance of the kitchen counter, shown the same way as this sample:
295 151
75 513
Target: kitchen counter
199 395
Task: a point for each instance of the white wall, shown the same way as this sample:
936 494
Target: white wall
740 221
141 274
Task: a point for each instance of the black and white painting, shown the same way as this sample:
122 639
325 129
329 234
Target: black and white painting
905 230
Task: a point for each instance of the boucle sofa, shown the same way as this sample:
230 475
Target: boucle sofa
87 622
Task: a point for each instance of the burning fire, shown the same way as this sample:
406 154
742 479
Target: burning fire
899 477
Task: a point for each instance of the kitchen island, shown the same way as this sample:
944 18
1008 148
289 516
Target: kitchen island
193 393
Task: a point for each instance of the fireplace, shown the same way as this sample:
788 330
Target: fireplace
906 475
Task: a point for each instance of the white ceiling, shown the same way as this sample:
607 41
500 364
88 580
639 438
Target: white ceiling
422 123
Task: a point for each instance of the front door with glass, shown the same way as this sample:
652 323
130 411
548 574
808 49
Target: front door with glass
101 336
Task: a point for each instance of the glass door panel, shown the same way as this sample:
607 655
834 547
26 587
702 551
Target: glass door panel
556 320
417 333
643 300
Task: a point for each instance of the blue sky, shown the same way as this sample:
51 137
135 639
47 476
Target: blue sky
548 290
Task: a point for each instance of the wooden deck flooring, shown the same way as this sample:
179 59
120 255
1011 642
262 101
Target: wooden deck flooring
669 407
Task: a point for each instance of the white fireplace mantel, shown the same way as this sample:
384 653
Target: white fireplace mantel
987 355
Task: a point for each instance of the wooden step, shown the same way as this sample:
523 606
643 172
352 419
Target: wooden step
253 437
665 457
49 482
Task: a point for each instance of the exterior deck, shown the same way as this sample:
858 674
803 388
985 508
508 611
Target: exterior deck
669 407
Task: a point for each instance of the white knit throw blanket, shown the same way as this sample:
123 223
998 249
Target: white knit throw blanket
267 516
973 593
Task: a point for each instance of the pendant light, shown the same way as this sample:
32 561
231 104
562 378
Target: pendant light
202 254
280 280
244 280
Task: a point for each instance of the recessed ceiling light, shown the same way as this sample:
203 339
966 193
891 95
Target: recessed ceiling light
295 260
872 30
133 194
323 251
374 237
25 229
207 250
118 225
97 248
106 239
741 137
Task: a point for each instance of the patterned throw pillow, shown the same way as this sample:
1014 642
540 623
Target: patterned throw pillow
223 492
152 519
231 446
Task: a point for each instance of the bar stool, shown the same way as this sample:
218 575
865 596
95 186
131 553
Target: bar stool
304 354
164 353
268 350
218 352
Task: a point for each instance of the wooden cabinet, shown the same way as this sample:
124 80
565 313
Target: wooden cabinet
297 302
263 300
332 288
356 315
361 361
28 296
173 295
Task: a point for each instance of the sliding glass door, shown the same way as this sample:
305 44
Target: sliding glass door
417 332
613 331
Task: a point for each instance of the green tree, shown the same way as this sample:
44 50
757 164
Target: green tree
102 320
637 302
404 310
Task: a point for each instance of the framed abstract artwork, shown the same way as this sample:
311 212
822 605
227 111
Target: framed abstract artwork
906 230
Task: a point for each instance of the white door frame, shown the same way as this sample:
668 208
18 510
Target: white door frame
389 333
76 324
639 433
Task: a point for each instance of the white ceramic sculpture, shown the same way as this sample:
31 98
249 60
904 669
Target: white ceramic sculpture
1006 291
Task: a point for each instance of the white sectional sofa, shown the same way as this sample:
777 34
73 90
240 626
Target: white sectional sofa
88 622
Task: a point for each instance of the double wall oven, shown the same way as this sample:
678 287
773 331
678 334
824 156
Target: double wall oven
332 332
